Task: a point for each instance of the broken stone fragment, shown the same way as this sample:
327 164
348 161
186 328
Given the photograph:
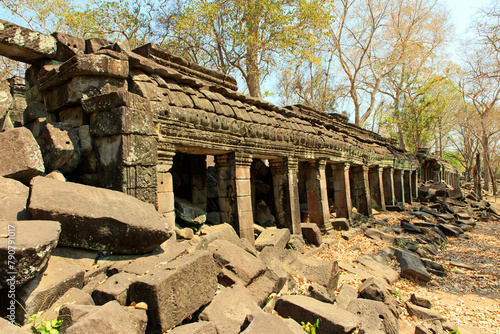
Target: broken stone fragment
273 237
13 199
34 241
375 316
60 146
68 46
96 218
20 156
189 213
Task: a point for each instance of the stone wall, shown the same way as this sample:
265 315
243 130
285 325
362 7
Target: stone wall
115 118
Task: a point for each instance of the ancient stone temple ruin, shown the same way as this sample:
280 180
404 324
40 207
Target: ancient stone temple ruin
157 127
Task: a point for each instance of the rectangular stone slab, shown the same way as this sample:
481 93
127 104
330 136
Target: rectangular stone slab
25 45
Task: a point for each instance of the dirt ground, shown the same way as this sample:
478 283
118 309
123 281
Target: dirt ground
469 297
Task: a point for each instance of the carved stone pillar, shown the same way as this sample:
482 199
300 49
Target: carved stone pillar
286 193
199 180
362 199
235 192
399 189
388 181
414 184
377 188
165 188
342 190
407 186
317 195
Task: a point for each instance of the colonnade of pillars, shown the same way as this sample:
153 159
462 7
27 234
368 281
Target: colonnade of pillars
347 184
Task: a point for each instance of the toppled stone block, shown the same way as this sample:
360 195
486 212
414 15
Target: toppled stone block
189 212
422 313
9 327
226 231
297 243
235 259
229 309
20 156
261 322
420 301
381 236
68 46
25 45
346 294
109 318
60 146
347 235
202 327
177 291
34 241
332 318
375 316
341 224
312 233
450 230
320 293
377 289
273 237
411 266
115 288
13 199
324 272
72 296
379 269
40 293
96 218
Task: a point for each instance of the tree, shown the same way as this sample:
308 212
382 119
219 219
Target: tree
247 36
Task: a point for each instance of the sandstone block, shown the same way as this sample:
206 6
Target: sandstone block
72 296
13 199
60 146
261 323
378 289
31 243
115 288
324 272
332 319
116 100
379 269
20 156
375 316
95 218
273 237
202 327
25 45
311 233
422 312
8 327
68 46
177 291
411 266
346 294
121 120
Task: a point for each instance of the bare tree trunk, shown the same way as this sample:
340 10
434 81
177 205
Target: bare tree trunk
486 160
477 177
252 78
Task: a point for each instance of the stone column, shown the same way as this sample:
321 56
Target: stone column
414 184
199 180
388 181
361 189
377 188
286 193
342 190
235 192
399 191
165 188
407 186
317 195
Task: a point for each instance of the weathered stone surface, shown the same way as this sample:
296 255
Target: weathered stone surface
320 293
40 293
72 296
226 231
121 120
341 224
379 269
345 295
263 215
409 227
332 318
377 289
176 291
264 285
273 237
411 266
229 309
420 301
202 327
68 46
375 316
262 322
324 272
13 199
381 236
60 146
114 100
20 156
235 259
32 242
450 230
109 318
189 213
98 219
422 312
353 232
312 233
115 288
5 100
25 45
297 243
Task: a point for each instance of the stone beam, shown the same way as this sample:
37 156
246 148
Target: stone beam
25 45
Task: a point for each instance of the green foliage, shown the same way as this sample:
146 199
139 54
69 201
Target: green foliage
455 331
43 326
396 293
310 328
402 245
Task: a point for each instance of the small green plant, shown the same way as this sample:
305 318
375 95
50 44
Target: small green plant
402 245
443 245
310 328
43 326
455 331
396 293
